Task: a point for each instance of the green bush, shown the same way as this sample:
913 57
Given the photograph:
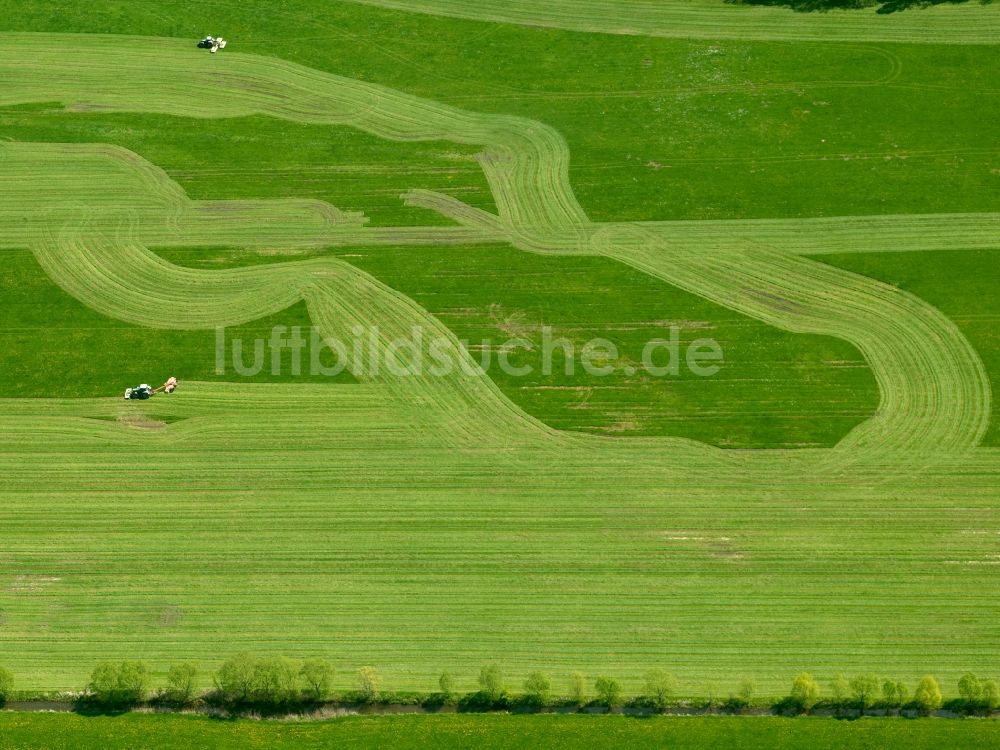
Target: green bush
369 684
316 675
865 688
245 679
578 688
537 689
660 688
805 692
840 691
276 681
181 684
711 699
491 682
118 685
990 695
894 693
927 696
235 679
743 696
609 691
6 685
446 683
971 690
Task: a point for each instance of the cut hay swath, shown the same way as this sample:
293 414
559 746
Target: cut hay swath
425 523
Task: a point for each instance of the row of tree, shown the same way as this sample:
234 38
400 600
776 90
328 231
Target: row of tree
866 690
884 6
247 680
6 685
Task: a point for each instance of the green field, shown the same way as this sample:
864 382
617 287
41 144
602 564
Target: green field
52 732
816 192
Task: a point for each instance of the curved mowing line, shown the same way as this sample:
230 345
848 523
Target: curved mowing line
898 333
971 23
119 277
935 395
946 406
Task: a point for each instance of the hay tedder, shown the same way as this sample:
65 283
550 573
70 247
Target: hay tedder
212 43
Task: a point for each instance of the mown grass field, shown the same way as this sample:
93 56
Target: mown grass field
603 184
52 732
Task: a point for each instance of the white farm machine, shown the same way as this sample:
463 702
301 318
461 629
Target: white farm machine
212 43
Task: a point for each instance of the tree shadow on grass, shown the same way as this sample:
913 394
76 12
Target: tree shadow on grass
88 706
881 6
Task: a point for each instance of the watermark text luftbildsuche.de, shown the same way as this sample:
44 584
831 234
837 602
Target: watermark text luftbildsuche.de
368 352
